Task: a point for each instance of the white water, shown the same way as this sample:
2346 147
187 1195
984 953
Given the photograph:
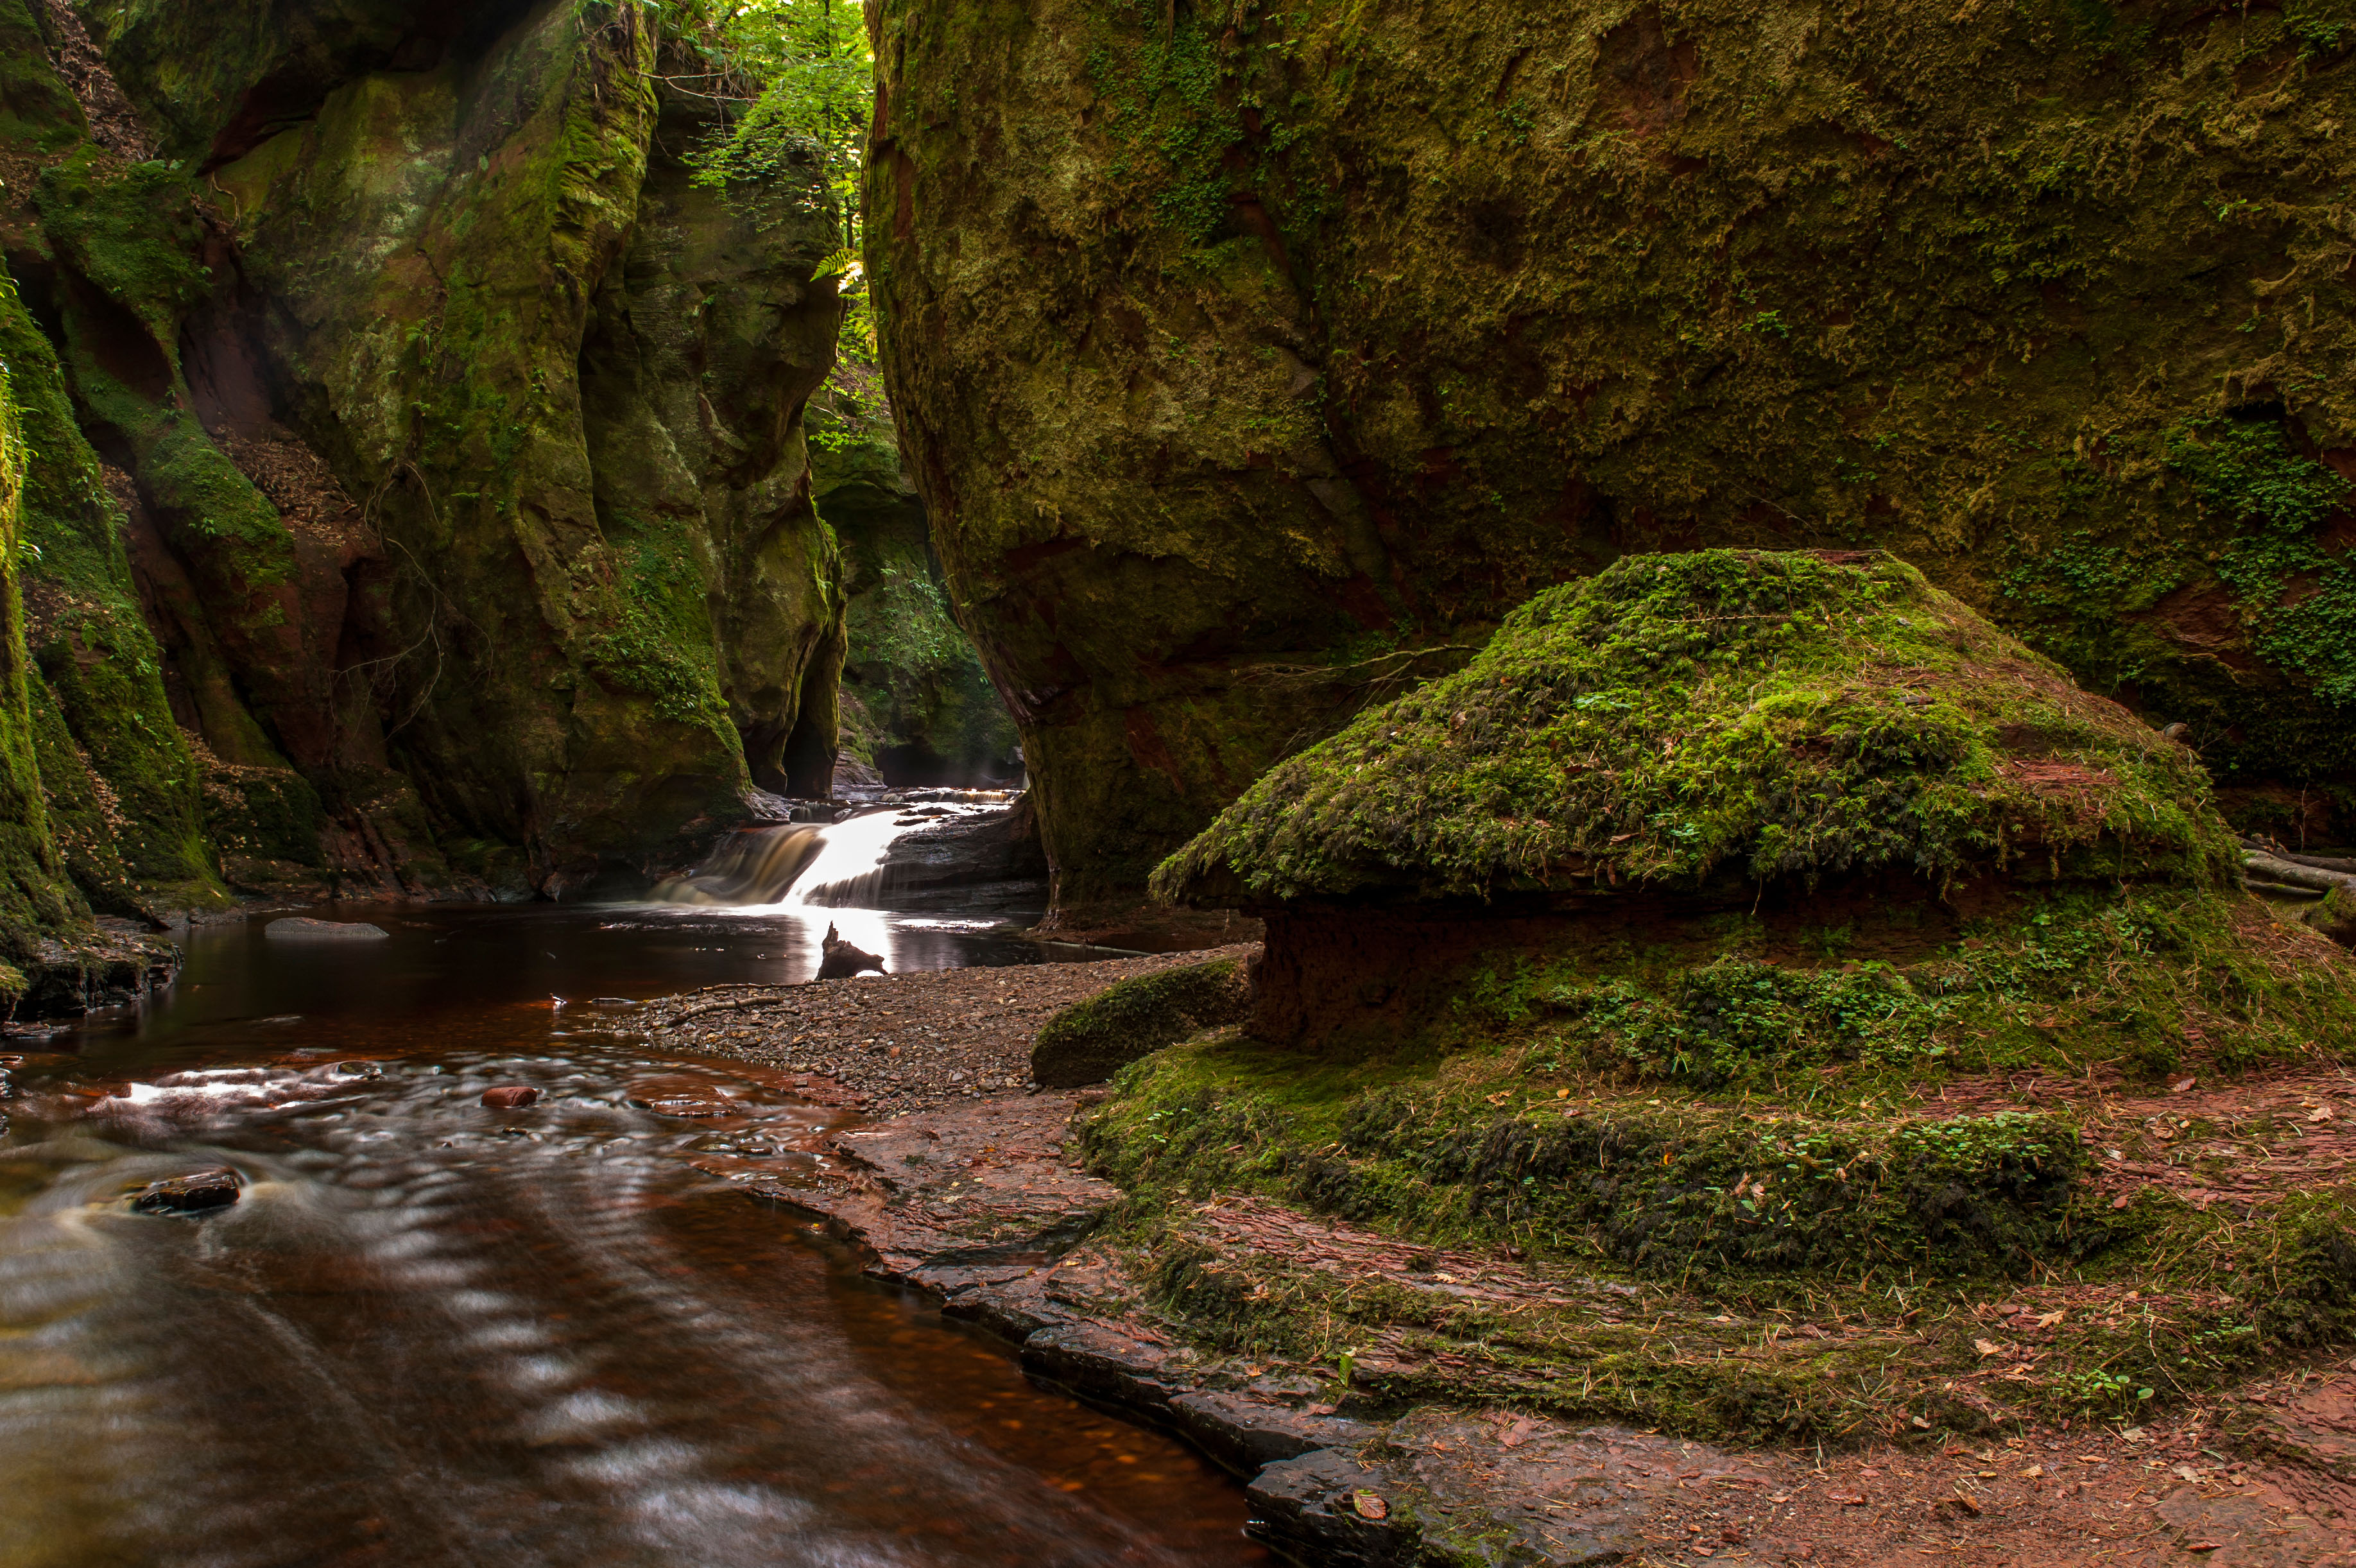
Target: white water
837 867
849 871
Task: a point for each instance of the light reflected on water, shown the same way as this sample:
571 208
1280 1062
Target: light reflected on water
430 1333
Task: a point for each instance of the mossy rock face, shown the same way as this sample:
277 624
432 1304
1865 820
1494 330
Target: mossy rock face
1680 719
919 707
37 900
1341 330
1089 1041
451 431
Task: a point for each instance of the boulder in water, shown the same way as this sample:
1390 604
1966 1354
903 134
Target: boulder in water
302 928
840 960
198 1193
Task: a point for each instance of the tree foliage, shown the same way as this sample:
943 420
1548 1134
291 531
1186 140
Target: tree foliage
796 81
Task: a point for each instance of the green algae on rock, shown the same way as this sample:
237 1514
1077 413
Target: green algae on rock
418 492
1727 815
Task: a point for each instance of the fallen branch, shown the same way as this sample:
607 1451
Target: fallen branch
724 1007
2297 874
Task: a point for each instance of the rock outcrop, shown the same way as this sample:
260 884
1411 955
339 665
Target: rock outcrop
1253 364
918 710
418 498
1730 809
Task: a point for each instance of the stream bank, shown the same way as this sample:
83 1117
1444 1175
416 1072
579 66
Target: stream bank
1394 1403
432 1326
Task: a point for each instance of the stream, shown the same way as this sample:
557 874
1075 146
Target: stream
429 1331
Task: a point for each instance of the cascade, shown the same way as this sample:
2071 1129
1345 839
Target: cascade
750 865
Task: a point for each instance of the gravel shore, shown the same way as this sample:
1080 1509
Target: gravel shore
896 1043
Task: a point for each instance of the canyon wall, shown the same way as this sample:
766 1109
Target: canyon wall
416 499
1252 362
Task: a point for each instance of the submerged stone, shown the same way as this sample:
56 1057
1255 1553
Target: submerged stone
199 1193
510 1096
302 928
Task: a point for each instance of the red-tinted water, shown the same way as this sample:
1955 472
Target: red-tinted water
434 1333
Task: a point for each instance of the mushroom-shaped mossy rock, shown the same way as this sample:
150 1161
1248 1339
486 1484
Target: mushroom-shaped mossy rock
1805 761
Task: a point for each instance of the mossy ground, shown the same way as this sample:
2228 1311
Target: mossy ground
1090 1040
1730 1197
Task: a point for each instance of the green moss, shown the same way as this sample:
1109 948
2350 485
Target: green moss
1773 716
2298 598
1089 1041
2180 968
36 899
1671 1243
122 787
132 231
1403 317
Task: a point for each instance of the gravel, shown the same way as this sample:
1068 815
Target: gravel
897 1042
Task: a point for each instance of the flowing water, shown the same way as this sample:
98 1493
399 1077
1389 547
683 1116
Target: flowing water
837 865
430 1332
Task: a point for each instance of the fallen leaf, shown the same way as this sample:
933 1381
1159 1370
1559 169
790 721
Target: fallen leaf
2123 1200
2032 1472
2092 1459
1963 1504
2319 1113
1846 1499
2047 1320
1369 1505
1986 1349
2182 1084
2188 1473
1922 1424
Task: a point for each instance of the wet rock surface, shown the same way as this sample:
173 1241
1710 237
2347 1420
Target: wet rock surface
980 1203
303 929
199 1193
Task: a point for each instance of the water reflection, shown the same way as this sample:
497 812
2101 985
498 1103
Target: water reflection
433 1332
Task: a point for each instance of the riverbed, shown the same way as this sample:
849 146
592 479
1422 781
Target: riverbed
430 1332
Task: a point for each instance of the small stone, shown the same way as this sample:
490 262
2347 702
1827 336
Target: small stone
195 1193
510 1096
302 928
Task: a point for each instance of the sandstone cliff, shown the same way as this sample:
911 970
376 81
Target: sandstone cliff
1253 361
417 499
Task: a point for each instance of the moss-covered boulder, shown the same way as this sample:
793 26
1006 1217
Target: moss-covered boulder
1089 1041
1730 812
1252 362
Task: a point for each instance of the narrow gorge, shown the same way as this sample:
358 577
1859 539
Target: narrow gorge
1376 784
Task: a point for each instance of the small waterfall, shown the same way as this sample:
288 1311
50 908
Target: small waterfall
751 865
841 865
849 871
835 868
